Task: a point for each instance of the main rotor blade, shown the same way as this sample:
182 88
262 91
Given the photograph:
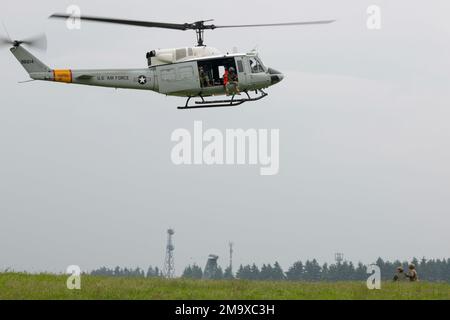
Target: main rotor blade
277 24
6 31
148 24
5 41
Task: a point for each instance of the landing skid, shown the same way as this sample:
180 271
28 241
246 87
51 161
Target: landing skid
233 102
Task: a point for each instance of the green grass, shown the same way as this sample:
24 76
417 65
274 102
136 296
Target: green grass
43 286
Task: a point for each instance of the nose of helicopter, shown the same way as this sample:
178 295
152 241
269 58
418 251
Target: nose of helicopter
275 76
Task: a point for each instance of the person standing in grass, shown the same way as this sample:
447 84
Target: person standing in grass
399 275
412 273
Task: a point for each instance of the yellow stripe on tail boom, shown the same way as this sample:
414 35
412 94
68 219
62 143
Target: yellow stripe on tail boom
62 76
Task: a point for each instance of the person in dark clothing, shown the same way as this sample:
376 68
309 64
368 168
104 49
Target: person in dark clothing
204 79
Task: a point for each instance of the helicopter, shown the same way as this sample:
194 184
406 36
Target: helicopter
201 73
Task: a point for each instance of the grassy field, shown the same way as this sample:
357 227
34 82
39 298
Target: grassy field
23 286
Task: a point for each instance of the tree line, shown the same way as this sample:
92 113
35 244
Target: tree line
310 270
127 272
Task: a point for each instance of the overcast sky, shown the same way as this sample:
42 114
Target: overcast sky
86 176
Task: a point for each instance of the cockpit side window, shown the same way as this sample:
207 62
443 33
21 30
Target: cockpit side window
240 66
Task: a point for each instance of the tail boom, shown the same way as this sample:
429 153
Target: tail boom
143 79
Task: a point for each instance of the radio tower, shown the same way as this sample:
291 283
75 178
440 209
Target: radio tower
169 265
339 257
231 256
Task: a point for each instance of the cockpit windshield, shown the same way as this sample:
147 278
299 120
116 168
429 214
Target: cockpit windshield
256 65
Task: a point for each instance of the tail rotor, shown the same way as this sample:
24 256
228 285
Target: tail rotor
38 42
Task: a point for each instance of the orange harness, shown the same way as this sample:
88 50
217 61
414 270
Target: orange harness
225 78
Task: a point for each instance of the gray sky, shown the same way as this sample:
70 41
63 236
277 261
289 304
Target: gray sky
86 176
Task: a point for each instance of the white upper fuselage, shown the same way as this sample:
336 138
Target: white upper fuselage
174 55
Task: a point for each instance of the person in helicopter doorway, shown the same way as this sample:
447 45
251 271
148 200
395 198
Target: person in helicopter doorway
204 79
225 80
232 84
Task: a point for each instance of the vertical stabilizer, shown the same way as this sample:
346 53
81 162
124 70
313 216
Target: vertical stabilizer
29 62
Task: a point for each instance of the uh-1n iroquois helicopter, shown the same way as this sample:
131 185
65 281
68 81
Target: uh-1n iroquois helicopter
199 72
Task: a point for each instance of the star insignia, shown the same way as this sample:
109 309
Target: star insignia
142 80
